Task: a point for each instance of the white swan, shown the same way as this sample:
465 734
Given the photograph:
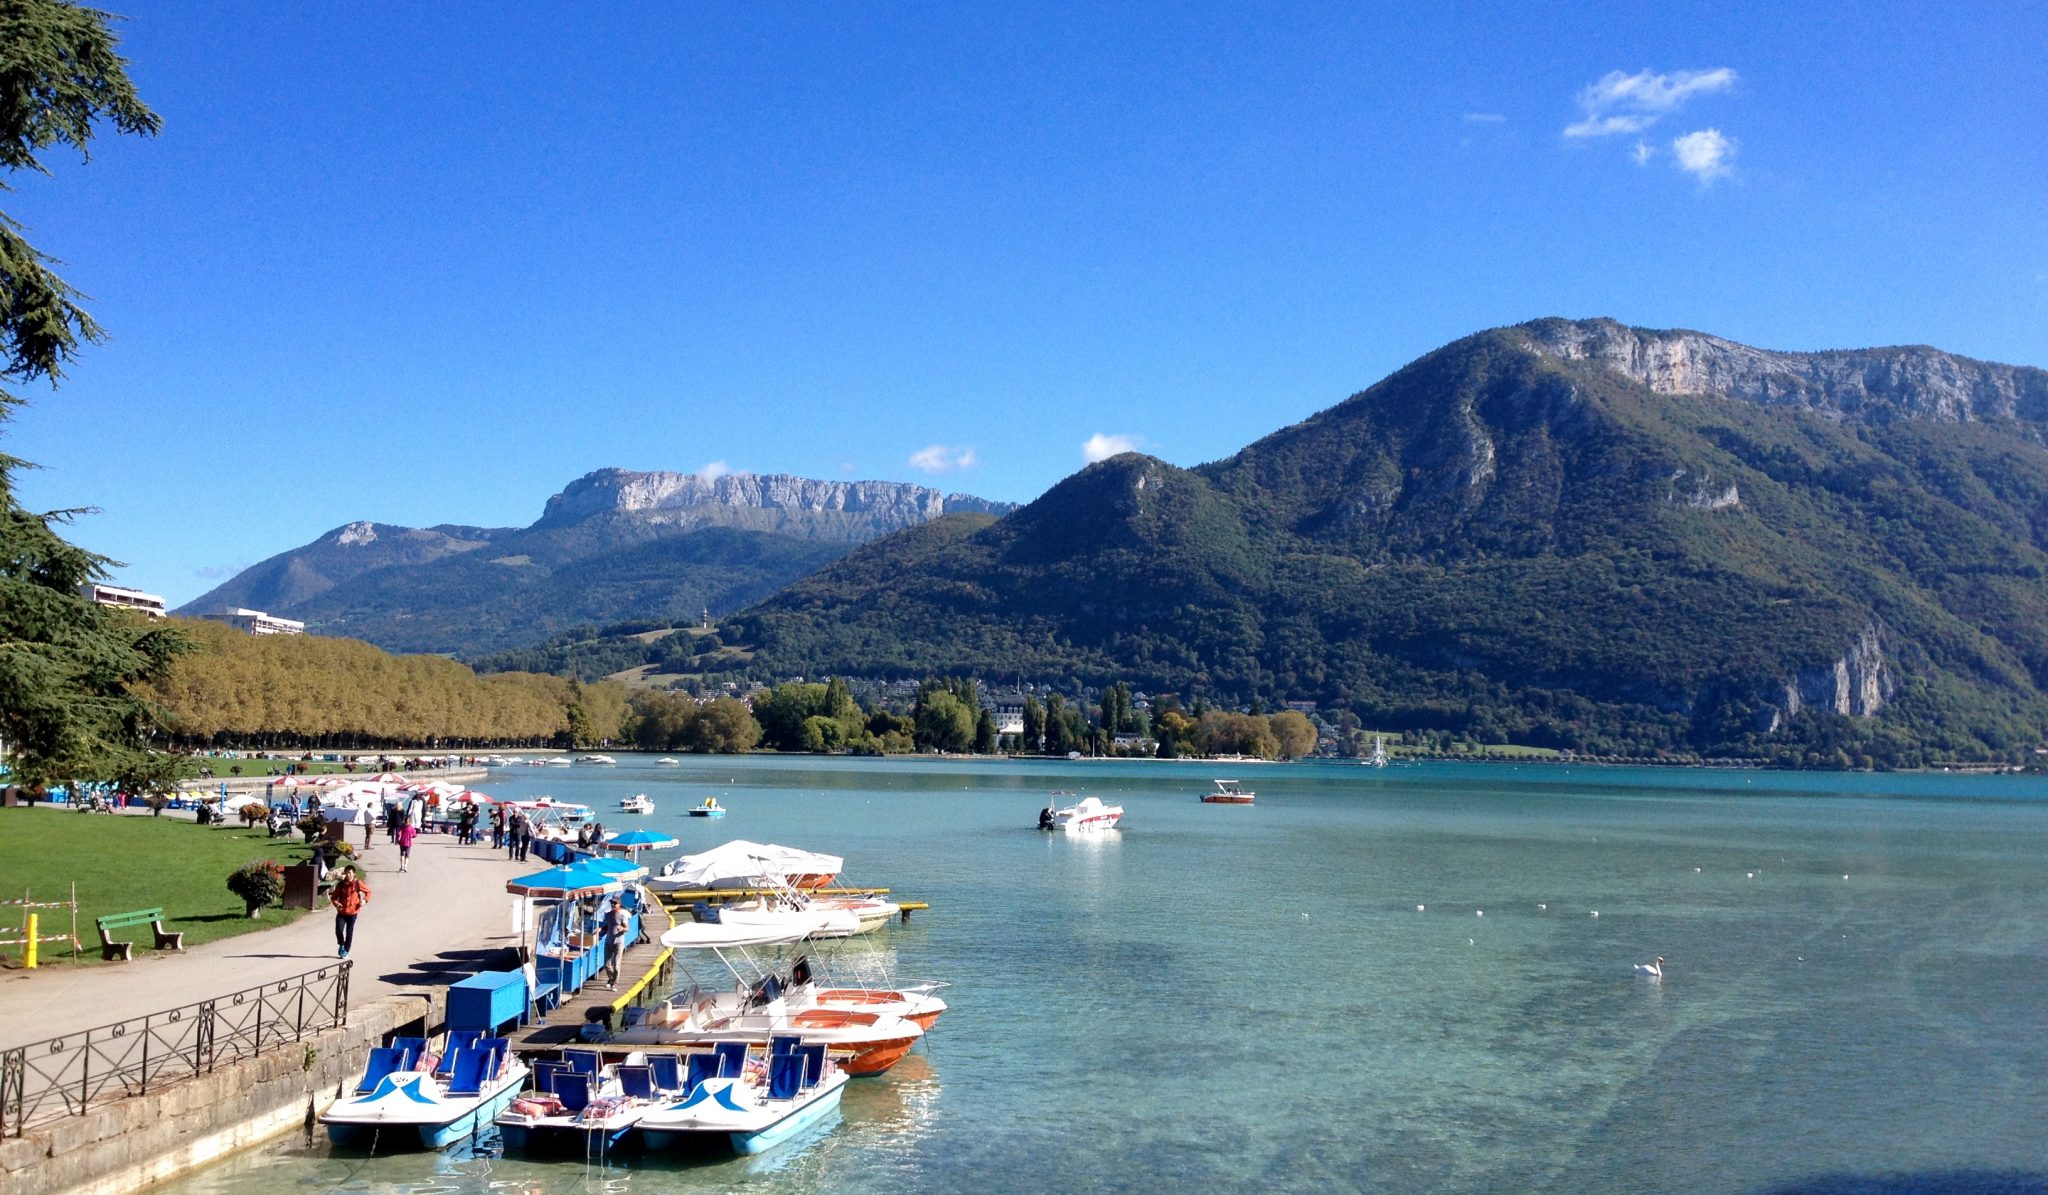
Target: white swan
1653 970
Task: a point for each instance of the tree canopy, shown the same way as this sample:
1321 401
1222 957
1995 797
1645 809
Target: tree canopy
66 665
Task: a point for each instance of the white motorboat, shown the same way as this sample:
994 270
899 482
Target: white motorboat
407 1096
596 759
637 803
863 1039
796 1087
1086 815
666 762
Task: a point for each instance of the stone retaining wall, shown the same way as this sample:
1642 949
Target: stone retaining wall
130 1144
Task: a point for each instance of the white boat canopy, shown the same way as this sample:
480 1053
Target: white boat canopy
743 864
712 935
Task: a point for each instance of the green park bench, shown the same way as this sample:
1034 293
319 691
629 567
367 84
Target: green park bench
111 950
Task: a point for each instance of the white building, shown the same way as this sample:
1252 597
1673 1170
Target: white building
127 599
256 622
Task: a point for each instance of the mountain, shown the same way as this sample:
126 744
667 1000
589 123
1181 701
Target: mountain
1575 534
612 545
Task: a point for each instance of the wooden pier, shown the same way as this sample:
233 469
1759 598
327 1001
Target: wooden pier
654 966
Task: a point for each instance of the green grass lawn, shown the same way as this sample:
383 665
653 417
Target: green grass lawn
224 769
126 863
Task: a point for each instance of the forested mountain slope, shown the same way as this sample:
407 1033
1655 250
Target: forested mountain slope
1565 533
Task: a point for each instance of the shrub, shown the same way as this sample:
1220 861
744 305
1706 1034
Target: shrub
259 884
254 812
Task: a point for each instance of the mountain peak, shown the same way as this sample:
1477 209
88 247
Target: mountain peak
1877 384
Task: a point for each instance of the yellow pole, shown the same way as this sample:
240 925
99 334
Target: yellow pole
31 962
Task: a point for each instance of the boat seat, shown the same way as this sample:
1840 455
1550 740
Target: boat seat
573 1089
668 1071
785 1077
814 1062
732 1058
702 1067
414 1047
587 1062
466 1074
637 1081
500 1049
781 1044
704 913
545 1074
383 1061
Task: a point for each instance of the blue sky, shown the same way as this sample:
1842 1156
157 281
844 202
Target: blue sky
428 267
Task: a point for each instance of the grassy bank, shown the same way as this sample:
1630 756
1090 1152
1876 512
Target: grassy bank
125 863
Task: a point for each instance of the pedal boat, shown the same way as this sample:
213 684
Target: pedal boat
577 1105
406 1098
752 1111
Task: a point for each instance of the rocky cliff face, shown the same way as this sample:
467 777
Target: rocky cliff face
684 499
1913 382
1857 684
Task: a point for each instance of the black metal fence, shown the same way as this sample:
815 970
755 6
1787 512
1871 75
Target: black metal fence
63 1076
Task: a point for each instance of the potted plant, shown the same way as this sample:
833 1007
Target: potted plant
254 813
259 884
310 825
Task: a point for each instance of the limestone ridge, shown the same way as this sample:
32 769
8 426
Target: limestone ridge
613 546
1910 382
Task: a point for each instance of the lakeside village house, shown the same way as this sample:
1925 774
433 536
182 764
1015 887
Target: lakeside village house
150 605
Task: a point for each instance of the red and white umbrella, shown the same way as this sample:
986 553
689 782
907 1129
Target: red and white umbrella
470 796
386 778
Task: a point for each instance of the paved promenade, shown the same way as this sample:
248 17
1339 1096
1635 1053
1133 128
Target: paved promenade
443 918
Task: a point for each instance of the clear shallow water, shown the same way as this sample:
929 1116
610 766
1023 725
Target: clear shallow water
1243 998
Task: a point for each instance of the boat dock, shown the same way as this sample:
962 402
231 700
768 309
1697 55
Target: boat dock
654 964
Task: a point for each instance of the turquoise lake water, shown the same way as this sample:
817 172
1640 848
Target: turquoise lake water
1248 998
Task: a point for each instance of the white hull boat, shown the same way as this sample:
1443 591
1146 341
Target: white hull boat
1088 815
637 803
404 1101
801 1089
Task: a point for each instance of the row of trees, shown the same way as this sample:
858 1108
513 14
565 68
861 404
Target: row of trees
304 690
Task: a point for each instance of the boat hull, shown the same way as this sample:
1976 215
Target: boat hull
426 1129
1216 800
755 1129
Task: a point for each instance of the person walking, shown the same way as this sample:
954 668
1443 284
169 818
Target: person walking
497 826
512 822
525 835
349 895
615 926
406 833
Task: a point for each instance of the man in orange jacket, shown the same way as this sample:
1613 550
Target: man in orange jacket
348 896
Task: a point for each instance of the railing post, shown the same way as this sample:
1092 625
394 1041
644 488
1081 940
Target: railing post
13 1090
202 1041
299 1012
341 994
85 1071
145 1055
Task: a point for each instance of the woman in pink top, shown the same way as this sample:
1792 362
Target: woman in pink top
406 833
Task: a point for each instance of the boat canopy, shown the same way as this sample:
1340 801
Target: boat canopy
743 864
714 935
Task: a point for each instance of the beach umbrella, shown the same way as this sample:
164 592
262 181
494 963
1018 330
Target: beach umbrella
564 883
386 778
470 796
635 841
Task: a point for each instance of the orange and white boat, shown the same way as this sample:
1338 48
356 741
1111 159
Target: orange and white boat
865 1031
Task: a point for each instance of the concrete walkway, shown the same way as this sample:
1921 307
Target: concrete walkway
448 915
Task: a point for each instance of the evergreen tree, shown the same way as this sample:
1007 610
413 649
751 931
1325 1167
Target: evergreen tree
1034 726
984 733
65 664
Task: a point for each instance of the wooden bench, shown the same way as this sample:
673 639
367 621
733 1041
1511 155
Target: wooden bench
111 950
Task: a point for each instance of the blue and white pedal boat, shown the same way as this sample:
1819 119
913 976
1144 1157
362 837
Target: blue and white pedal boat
403 1100
802 1089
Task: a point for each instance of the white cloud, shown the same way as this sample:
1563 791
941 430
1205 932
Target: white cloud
715 470
1643 152
1621 103
943 458
1099 447
1485 118
1706 155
